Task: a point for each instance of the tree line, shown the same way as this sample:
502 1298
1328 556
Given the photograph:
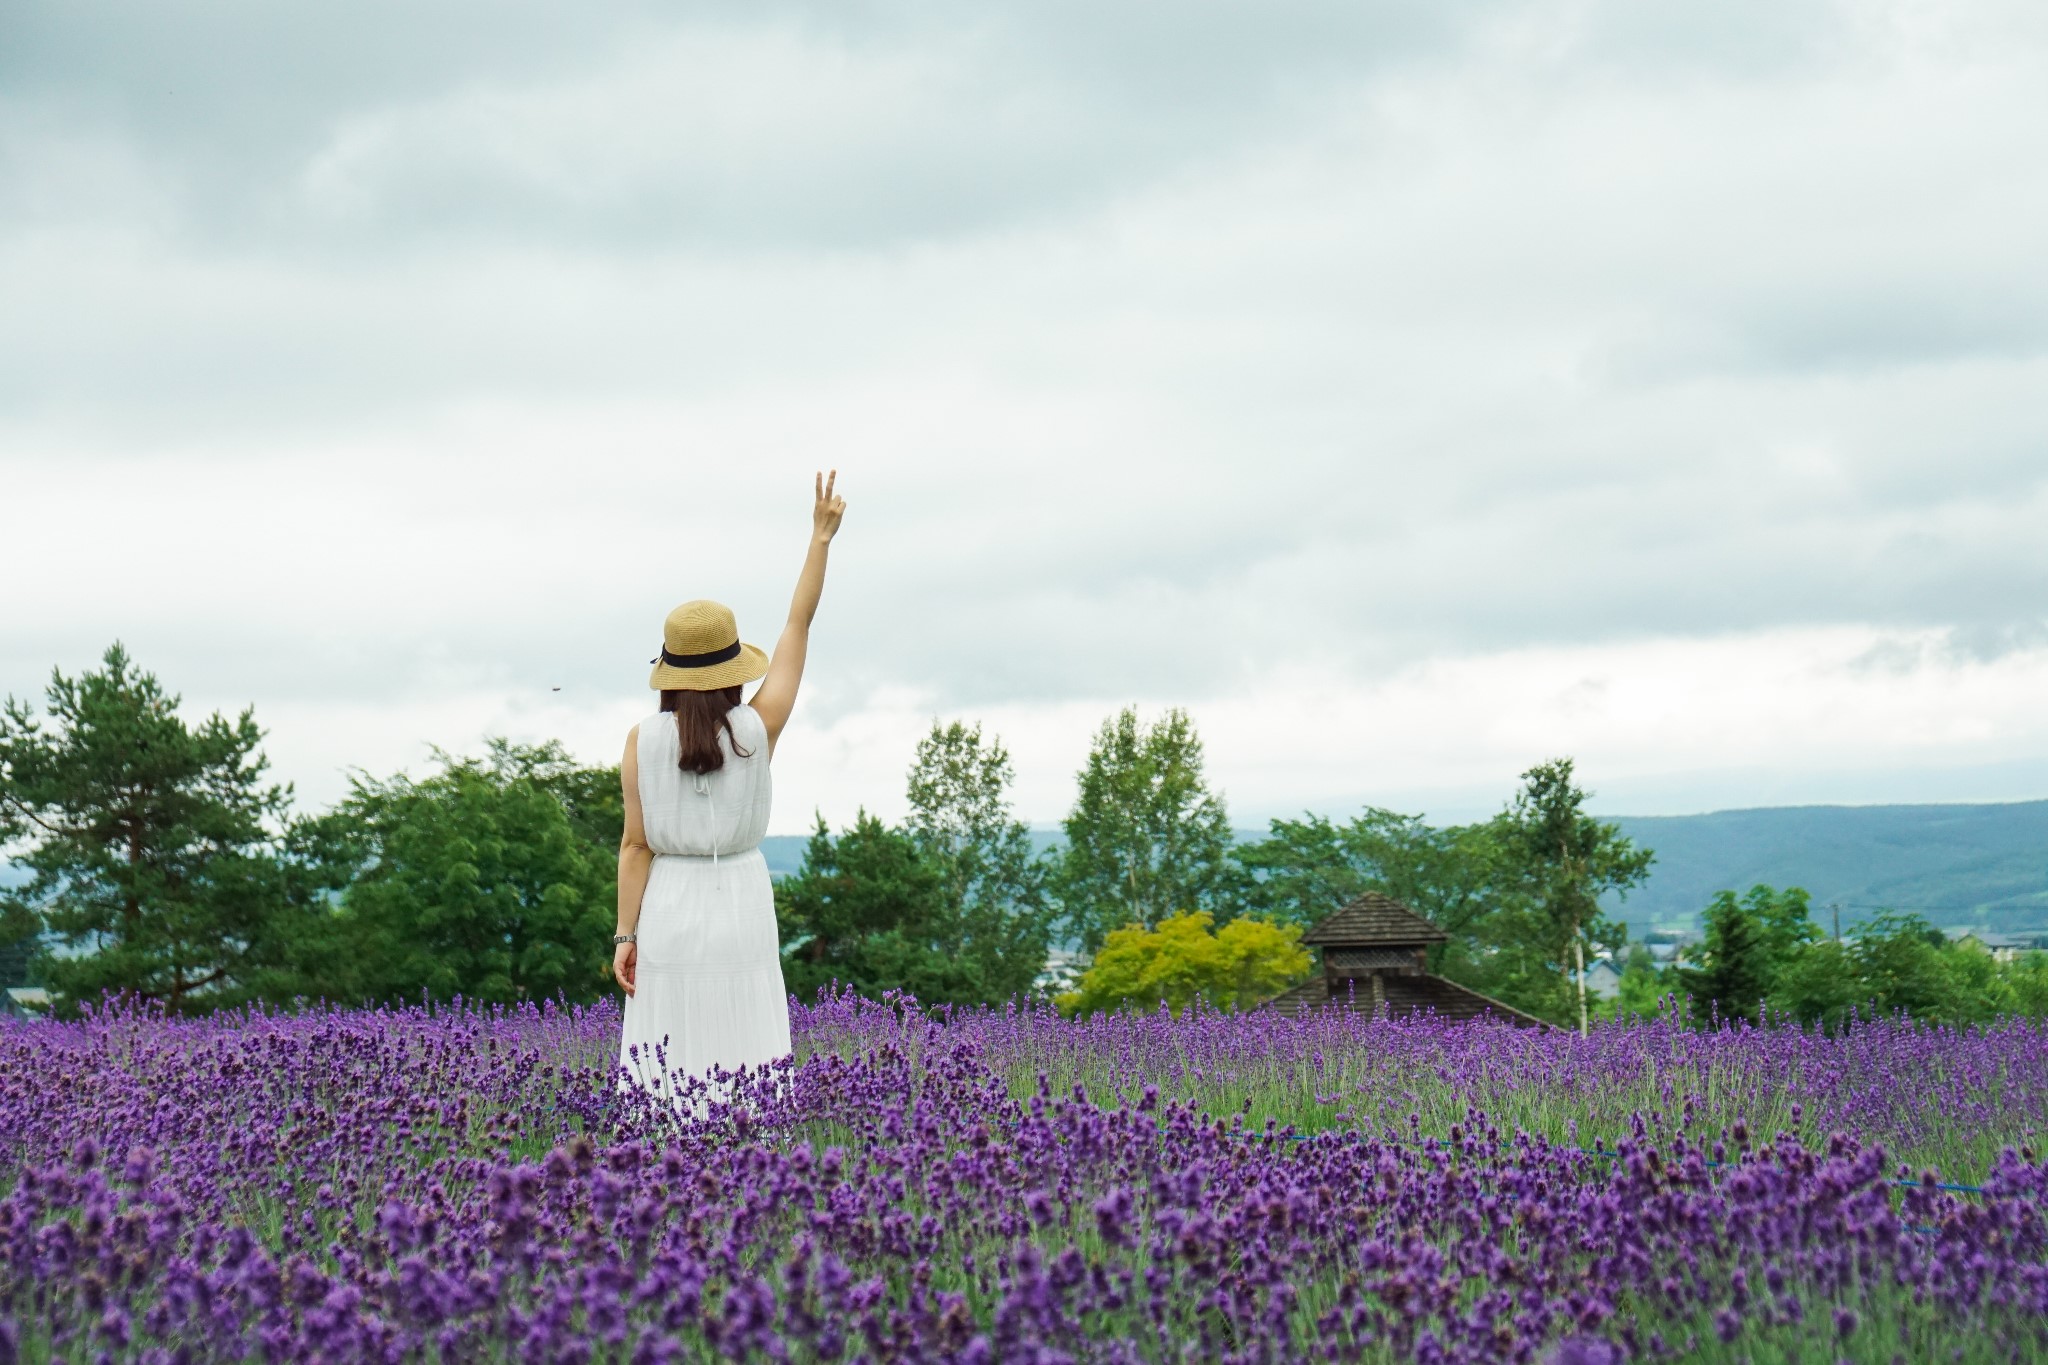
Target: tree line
162 863
1763 956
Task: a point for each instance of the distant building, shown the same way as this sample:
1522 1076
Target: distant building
1603 979
19 996
26 1002
2002 947
1373 955
1061 973
1668 947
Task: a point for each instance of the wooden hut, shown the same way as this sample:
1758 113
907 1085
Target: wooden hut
1375 958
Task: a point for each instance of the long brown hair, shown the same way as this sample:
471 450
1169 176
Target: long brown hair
699 715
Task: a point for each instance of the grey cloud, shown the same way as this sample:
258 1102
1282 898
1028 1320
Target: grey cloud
1924 324
1897 658
245 85
848 126
1988 642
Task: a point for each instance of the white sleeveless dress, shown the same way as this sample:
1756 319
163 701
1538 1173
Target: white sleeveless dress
709 991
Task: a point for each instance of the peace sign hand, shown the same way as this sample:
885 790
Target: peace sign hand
828 509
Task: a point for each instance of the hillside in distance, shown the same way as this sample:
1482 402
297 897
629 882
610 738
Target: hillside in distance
1985 865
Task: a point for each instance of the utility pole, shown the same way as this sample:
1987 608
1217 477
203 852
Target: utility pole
1836 906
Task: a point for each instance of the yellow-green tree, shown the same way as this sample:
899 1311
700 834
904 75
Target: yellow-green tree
1181 961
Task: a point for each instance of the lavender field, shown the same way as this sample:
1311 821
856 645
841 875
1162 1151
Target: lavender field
473 1185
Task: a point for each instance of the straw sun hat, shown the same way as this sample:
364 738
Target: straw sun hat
701 651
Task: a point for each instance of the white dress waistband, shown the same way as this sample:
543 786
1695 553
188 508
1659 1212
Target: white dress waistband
709 857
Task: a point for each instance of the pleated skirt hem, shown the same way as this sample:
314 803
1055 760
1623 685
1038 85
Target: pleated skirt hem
685 1023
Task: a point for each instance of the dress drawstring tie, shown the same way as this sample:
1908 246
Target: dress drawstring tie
703 785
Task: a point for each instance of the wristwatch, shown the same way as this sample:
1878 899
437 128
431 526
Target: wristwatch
617 939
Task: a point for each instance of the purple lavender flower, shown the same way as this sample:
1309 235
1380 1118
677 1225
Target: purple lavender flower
473 1183
1585 1351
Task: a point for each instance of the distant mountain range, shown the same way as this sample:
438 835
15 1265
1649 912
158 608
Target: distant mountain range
1957 865
1984 865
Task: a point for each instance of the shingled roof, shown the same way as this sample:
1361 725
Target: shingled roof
1374 920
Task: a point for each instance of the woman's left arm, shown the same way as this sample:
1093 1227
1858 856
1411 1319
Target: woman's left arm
635 861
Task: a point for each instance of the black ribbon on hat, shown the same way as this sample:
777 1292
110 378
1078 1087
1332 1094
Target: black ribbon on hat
716 656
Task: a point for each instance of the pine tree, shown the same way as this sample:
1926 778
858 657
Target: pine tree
1736 973
154 849
1146 839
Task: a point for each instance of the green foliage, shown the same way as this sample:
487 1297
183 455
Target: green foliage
1303 869
1642 988
161 864
1503 889
871 911
1243 964
1763 953
961 823
1901 964
1514 956
953 907
1739 962
591 797
1895 962
155 849
1821 984
1751 944
494 879
1454 877
1784 919
1146 838
1570 860
2027 980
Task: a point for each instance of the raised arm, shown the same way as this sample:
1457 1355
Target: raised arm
777 695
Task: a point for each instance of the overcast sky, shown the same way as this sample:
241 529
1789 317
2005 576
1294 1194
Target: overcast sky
1414 391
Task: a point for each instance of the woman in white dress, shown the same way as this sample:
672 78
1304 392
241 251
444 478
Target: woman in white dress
696 949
